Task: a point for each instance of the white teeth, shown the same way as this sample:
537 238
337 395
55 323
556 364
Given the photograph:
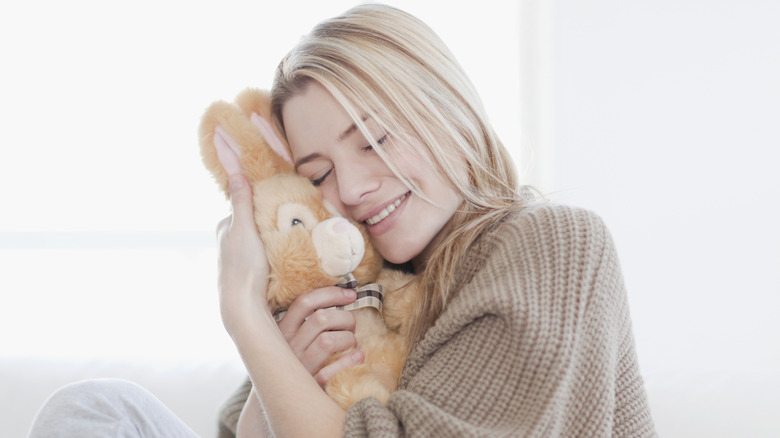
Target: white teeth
386 211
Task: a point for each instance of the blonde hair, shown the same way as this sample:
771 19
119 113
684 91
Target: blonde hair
381 63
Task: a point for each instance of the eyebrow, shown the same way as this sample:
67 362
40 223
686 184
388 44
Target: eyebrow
352 128
306 159
347 132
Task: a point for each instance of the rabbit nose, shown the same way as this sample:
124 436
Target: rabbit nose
342 226
339 246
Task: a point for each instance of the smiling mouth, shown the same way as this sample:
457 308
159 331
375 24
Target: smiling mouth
386 211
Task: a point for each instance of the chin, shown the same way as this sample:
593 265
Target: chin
396 260
396 256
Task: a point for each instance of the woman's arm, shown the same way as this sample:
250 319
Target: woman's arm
253 423
314 340
284 385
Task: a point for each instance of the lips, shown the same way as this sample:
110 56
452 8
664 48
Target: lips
373 220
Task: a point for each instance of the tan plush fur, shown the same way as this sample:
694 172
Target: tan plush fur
281 198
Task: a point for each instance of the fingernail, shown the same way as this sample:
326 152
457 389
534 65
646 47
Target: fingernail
350 293
357 356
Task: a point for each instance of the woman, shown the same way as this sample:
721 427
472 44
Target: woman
524 327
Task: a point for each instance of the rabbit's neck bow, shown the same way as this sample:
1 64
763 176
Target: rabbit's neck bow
369 295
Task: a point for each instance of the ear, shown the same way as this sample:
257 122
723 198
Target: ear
274 141
256 104
228 151
219 150
231 143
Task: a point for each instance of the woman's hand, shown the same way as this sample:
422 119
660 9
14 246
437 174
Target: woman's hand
243 266
315 332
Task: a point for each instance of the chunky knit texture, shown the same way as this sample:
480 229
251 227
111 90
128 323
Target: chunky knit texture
536 342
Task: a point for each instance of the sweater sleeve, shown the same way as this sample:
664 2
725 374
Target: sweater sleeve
227 422
537 342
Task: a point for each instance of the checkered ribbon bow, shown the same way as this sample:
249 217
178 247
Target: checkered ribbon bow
370 295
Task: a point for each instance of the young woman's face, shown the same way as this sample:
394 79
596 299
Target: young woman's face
329 150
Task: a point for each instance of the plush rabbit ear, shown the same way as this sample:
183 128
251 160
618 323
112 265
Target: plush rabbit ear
228 151
256 104
231 143
270 135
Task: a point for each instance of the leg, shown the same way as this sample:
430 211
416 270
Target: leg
106 407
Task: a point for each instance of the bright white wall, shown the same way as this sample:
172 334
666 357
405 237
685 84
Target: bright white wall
107 224
659 115
101 100
664 119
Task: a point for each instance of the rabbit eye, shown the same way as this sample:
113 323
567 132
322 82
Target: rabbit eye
296 216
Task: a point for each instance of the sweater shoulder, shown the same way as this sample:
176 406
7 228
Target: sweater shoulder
544 249
550 236
550 223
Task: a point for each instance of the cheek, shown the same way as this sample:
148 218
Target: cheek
330 193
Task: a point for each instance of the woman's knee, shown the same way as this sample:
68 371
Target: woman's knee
96 392
100 404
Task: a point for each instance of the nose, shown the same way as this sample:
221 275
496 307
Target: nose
355 183
339 246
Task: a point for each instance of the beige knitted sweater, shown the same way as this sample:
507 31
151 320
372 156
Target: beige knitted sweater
537 342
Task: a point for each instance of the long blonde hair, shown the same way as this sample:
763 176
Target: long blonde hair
381 63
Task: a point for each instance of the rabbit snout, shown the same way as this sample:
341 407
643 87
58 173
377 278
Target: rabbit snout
339 245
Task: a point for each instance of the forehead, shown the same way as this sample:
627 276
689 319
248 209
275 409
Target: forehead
313 120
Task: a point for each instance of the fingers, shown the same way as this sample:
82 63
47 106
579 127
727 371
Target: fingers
324 347
327 332
320 322
306 304
346 361
242 263
239 241
242 217
241 200
314 330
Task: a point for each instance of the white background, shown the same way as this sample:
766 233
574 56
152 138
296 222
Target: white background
108 217
666 121
662 116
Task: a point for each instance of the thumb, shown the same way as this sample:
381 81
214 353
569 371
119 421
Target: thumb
240 198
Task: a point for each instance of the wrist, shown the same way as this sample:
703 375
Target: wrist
243 304
251 330
275 370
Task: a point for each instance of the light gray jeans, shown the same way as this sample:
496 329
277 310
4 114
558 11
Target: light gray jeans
106 408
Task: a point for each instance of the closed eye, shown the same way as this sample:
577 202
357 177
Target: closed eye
320 180
380 141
